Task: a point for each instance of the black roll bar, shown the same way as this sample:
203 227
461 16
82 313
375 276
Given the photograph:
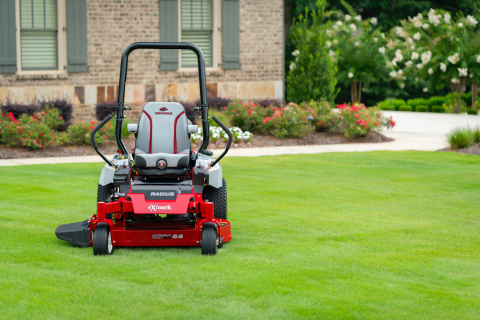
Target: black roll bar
123 78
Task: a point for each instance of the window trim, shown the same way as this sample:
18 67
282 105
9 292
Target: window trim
61 40
216 38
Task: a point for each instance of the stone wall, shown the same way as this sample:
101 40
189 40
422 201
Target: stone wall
113 24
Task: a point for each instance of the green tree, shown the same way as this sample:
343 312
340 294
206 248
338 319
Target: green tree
388 13
312 74
443 51
356 45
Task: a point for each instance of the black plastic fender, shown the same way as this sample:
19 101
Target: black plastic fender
77 233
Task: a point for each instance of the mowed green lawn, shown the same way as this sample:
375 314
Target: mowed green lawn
349 235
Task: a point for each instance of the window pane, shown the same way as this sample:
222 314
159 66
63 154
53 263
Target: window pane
26 14
196 14
50 14
39 49
203 39
44 14
38 21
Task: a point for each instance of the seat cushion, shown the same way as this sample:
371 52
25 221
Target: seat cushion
145 160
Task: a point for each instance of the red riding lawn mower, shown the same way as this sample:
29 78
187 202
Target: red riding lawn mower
162 193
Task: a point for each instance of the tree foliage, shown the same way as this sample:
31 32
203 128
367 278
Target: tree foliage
355 45
443 51
312 74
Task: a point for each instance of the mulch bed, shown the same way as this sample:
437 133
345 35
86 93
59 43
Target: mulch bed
475 149
258 141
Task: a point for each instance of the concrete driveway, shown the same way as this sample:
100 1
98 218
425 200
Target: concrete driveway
427 129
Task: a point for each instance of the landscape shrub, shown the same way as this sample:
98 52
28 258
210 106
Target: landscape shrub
80 133
216 102
460 138
31 107
438 109
103 109
405 108
63 105
394 105
358 121
290 121
466 97
435 101
268 102
247 116
472 111
31 131
476 134
422 108
17 109
285 122
449 108
416 102
217 133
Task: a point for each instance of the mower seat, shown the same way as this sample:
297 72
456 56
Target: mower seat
163 145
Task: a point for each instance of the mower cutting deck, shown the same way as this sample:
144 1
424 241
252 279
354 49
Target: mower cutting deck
162 193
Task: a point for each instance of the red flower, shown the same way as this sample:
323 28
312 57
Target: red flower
61 117
105 136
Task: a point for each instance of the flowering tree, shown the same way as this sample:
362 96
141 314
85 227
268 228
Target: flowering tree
439 49
312 74
356 44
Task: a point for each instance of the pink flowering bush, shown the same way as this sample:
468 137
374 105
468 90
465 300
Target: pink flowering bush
32 132
290 121
357 121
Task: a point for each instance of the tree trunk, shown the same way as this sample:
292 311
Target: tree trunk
459 89
474 92
452 89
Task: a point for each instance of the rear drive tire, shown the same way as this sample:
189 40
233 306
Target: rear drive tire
209 239
104 192
219 198
102 240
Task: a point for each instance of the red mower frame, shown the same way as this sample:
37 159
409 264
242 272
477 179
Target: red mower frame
112 225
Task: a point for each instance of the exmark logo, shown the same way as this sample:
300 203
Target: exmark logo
163 111
156 207
162 194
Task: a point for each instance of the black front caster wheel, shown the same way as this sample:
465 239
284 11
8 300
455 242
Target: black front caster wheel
209 239
102 240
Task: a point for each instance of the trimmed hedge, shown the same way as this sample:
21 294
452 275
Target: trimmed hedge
435 101
438 109
422 108
405 108
416 102
472 111
394 105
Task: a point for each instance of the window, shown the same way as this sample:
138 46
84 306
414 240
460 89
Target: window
197 27
38 35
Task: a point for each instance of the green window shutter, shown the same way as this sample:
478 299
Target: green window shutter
231 34
77 35
8 46
168 33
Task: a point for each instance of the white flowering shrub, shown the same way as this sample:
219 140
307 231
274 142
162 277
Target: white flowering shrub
358 47
443 51
217 134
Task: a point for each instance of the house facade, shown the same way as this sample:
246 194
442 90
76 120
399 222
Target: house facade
72 48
